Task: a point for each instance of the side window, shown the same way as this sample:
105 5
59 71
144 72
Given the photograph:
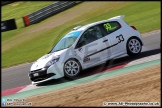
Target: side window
110 27
89 36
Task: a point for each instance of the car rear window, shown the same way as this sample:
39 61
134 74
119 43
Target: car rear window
111 26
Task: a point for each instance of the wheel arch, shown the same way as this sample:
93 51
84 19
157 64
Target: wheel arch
74 59
135 37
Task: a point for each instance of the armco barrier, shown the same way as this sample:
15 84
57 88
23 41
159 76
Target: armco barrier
47 11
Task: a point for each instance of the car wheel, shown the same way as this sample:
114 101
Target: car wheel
134 46
72 68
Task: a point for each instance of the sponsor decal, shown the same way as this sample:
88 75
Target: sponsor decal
86 59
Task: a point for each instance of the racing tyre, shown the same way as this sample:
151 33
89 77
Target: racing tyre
134 46
71 69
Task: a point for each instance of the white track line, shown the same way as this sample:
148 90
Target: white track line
29 87
143 60
151 32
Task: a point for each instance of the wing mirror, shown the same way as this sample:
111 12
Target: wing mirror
80 44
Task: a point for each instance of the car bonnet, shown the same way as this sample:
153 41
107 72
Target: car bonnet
41 62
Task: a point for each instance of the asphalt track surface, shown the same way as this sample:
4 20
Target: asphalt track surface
18 75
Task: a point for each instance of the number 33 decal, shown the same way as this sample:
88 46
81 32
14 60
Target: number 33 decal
120 37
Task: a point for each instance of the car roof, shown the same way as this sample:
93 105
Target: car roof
92 24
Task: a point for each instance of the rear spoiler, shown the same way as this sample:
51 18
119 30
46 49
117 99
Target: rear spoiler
118 17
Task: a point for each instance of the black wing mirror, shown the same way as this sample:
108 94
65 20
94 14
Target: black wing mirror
80 44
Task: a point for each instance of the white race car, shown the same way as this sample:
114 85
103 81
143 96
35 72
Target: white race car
85 47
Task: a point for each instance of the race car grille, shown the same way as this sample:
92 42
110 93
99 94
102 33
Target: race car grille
40 72
42 77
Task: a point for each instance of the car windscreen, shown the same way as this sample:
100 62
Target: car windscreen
67 41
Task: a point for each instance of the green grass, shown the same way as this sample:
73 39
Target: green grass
145 16
19 9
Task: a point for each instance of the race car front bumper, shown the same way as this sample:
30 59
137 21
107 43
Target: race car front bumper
39 75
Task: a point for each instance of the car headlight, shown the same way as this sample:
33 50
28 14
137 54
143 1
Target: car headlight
51 62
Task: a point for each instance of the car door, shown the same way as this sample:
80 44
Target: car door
105 45
89 47
115 37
